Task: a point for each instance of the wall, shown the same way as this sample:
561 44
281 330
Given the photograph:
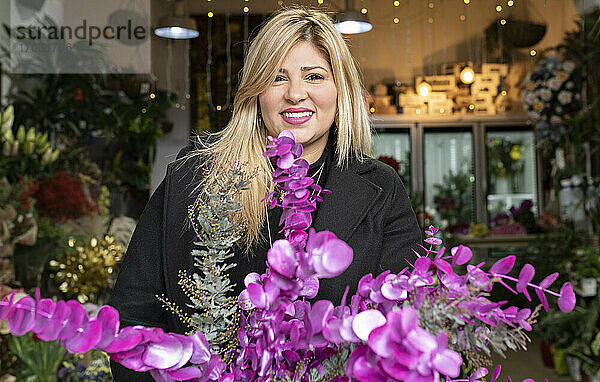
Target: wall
414 46
4 19
389 52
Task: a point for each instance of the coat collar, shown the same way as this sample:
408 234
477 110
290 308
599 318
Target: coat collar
352 196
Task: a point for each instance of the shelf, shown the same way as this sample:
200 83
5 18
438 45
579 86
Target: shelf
511 196
497 241
383 120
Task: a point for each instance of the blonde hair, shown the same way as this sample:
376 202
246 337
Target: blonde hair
244 137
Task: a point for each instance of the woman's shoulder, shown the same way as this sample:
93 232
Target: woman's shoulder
376 171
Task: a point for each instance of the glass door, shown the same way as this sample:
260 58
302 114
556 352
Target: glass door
511 173
449 180
392 146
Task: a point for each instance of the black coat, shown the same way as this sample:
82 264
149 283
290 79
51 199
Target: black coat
368 208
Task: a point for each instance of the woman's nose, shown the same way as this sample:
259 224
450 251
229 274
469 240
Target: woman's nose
296 91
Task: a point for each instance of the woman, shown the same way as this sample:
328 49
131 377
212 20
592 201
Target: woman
299 75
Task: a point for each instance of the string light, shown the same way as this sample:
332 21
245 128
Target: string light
498 8
372 110
532 52
502 21
510 3
430 20
466 1
462 18
246 9
209 62
363 11
431 5
320 1
396 3
471 107
210 14
396 20
503 92
143 110
280 2
152 95
219 107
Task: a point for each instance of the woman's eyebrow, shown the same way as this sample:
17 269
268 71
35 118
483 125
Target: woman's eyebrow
305 69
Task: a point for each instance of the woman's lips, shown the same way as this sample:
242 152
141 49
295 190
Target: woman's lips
297 118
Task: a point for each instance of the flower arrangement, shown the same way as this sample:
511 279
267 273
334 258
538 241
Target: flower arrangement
53 203
552 96
504 160
406 326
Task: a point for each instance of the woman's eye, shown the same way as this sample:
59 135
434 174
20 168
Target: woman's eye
279 78
314 77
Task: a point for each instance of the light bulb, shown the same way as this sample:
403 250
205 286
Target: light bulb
424 89
467 75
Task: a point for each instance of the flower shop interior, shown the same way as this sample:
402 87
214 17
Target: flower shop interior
488 110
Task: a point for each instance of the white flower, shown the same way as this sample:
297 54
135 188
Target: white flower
577 96
554 83
555 120
570 85
533 115
568 66
545 94
530 97
564 97
558 109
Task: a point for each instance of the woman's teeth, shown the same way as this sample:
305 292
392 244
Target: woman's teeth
298 115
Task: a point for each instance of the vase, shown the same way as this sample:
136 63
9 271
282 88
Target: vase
574 365
502 185
589 286
558 358
546 354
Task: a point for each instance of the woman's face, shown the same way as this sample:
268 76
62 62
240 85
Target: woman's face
302 99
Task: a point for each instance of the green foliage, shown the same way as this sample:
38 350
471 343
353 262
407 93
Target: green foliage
39 360
215 309
454 199
24 151
587 262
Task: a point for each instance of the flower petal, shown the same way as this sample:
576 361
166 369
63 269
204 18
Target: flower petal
366 321
282 257
566 300
525 277
461 255
163 354
503 266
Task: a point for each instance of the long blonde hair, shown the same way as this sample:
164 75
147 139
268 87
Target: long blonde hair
244 137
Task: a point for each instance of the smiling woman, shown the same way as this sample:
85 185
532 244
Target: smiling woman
299 76
302 99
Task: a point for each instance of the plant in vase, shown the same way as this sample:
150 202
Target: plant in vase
505 164
454 201
586 270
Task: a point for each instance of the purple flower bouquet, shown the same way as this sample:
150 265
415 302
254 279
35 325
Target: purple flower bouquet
409 326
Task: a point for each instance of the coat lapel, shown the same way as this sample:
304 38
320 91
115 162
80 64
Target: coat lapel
349 202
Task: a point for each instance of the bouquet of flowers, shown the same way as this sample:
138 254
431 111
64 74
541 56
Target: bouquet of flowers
411 325
552 96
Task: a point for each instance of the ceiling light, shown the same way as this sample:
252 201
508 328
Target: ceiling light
351 21
176 25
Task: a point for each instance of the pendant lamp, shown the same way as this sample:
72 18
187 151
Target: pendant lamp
351 21
176 25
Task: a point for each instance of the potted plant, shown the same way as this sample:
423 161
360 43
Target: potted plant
586 270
